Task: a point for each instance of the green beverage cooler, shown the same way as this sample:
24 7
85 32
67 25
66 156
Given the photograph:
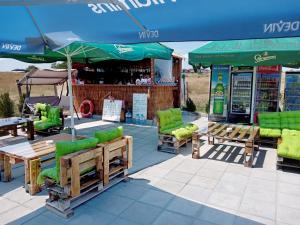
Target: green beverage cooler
219 93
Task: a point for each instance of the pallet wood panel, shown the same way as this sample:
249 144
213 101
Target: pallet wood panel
159 97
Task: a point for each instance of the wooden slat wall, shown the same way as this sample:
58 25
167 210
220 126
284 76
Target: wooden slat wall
159 97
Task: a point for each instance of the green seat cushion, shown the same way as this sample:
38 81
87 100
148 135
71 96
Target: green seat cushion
50 173
182 132
288 133
269 120
41 107
43 125
290 120
68 147
108 135
289 148
271 133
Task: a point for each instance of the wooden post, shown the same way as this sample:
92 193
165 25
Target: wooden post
196 146
1 163
14 131
27 175
129 151
30 130
35 169
75 178
7 169
248 154
63 172
105 165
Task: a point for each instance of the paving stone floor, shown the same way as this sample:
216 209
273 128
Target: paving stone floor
172 189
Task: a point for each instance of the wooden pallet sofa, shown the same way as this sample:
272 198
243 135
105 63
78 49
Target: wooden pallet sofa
284 128
172 132
50 119
85 168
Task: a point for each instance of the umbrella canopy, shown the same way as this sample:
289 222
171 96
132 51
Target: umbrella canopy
28 25
267 52
94 52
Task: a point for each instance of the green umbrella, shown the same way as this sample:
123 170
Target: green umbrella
92 52
258 52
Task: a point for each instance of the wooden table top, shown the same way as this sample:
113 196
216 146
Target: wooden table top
36 149
12 121
238 132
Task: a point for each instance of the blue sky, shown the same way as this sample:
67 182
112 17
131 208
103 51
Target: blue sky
181 48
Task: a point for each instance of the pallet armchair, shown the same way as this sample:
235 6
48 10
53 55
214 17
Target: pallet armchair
89 167
172 132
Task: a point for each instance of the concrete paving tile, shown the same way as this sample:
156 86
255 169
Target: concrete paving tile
264 174
156 172
6 205
189 166
215 165
288 215
204 182
18 215
223 200
258 208
291 178
156 198
185 207
238 169
230 187
112 204
262 184
142 214
247 219
288 200
194 193
234 178
217 216
202 222
36 202
40 219
129 190
210 173
170 218
172 187
178 176
288 188
259 194
120 221
18 195
88 215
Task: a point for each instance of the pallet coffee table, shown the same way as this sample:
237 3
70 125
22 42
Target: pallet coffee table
231 133
13 123
30 153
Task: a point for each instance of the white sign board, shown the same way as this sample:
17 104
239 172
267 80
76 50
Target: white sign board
139 105
112 110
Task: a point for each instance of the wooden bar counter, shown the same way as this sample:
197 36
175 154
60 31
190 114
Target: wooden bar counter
159 97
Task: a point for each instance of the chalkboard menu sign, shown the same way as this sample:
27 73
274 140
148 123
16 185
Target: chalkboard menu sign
112 110
139 108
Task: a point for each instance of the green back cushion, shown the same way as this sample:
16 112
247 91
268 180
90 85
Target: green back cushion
269 120
170 118
108 135
290 120
68 147
54 115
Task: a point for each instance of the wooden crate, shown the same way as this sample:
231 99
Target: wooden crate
169 144
111 161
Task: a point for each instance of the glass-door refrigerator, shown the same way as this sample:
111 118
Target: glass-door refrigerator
292 91
241 97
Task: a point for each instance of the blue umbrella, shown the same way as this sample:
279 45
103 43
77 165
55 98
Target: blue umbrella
28 25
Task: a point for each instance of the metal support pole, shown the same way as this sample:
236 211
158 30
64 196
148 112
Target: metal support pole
69 62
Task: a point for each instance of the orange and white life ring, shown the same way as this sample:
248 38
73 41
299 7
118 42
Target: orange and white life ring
86 108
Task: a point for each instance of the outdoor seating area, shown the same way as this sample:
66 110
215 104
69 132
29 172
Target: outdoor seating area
157 112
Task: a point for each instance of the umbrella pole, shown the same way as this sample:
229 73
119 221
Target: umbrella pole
69 63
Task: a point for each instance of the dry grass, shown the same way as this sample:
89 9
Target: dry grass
198 89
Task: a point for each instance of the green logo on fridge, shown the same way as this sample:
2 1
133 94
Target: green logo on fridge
218 107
